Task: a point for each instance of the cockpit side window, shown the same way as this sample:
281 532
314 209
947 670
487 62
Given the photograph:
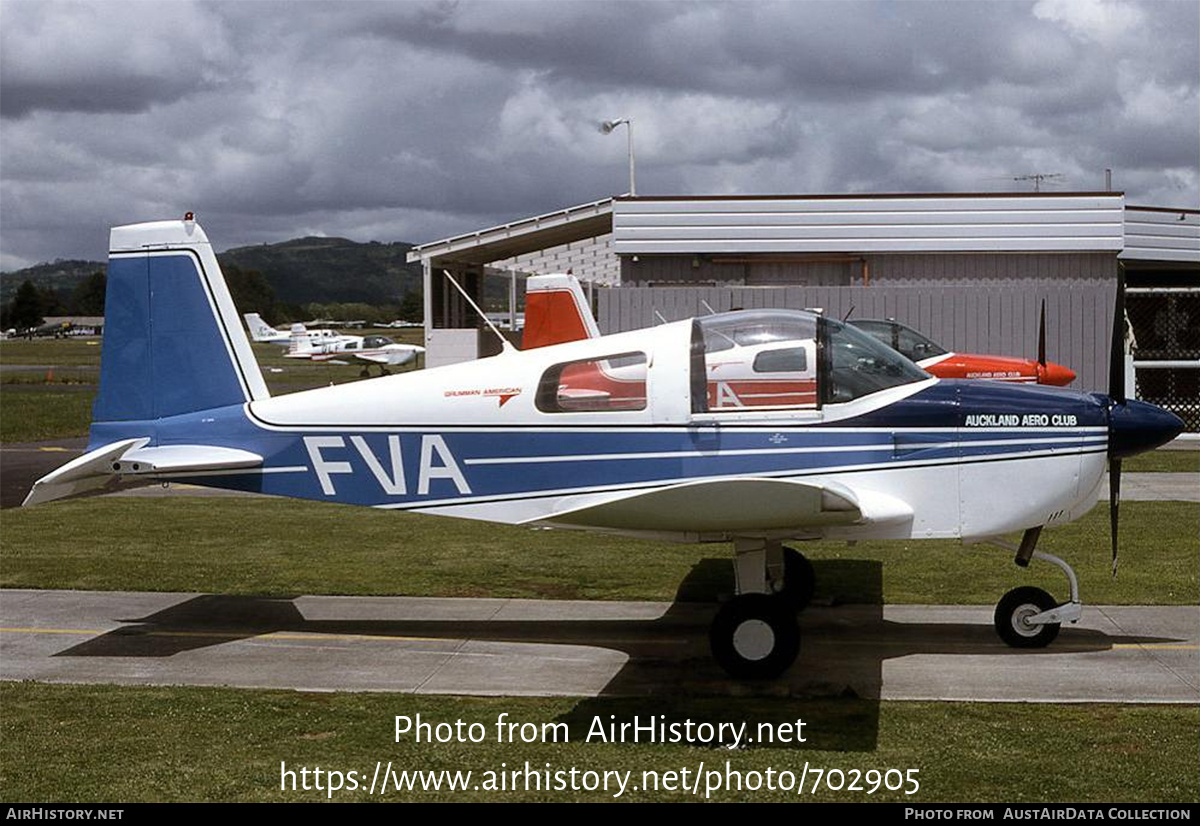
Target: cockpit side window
609 383
905 340
857 364
915 346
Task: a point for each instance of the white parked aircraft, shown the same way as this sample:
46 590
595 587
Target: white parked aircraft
377 350
263 332
616 433
328 345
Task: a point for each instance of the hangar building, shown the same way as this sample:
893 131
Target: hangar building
970 270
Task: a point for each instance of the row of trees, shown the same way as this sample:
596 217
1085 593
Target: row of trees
251 293
31 304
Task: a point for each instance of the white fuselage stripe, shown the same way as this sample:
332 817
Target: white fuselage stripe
864 448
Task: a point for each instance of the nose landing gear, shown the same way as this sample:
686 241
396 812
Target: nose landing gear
1028 617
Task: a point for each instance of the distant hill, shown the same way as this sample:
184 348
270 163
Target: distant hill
328 270
304 270
58 276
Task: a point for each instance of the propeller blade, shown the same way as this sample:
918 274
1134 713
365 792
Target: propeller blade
1116 367
1042 336
1114 506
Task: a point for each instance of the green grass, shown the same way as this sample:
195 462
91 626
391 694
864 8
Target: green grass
65 744
272 546
29 413
34 414
76 352
1163 461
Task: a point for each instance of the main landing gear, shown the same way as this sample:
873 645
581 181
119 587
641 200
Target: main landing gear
755 635
1028 617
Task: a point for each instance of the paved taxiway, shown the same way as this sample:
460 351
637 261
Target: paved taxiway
1125 654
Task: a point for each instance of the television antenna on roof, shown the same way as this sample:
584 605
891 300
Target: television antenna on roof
1038 178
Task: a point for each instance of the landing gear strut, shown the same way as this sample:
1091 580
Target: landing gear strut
1028 617
754 635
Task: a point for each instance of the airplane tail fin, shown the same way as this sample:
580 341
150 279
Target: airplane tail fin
259 329
300 345
172 343
556 311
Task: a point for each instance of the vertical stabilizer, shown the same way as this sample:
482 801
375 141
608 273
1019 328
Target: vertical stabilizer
300 344
173 342
556 311
261 330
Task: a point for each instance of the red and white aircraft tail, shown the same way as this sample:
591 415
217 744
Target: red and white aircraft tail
556 311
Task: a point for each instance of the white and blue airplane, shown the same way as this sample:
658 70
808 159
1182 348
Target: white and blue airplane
615 433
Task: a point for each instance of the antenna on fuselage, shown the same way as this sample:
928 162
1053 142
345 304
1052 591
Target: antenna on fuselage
505 344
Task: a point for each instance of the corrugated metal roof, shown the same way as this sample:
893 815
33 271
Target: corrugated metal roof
858 223
1009 222
1160 234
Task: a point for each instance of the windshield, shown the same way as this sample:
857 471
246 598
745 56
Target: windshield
859 364
901 338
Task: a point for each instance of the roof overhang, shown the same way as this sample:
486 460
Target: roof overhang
527 235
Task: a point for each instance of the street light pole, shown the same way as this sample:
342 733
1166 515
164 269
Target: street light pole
607 127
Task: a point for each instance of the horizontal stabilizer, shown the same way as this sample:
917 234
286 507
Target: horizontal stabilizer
129 463
734 506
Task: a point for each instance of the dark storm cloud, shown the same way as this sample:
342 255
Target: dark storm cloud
416 120
108 57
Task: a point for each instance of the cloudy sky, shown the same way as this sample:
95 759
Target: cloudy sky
411 121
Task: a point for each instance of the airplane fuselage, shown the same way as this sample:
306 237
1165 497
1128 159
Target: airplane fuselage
941 451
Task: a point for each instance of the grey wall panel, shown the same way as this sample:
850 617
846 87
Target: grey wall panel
894 268
996 319
917 223
909 268
1162 234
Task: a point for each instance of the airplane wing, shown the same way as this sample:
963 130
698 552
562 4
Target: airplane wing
374 358
392 354
735 505
129 463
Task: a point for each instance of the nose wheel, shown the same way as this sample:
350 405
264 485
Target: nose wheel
1015 614
1028 617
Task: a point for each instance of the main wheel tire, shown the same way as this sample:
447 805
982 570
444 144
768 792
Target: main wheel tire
755 636
1017 606
799 580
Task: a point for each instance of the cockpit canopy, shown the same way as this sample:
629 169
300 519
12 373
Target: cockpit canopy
901 338
788 358
749 359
